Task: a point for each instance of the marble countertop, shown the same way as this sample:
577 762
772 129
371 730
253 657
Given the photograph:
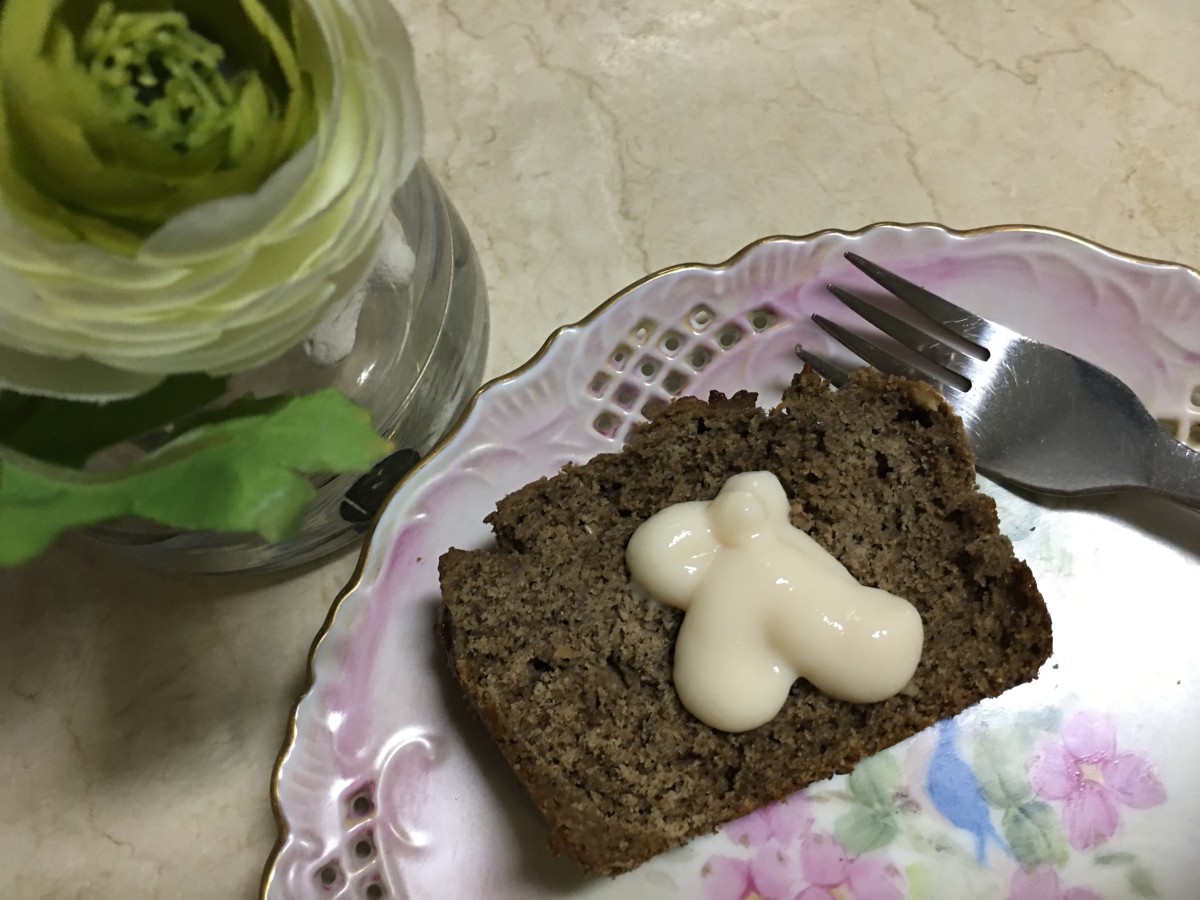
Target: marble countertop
140 714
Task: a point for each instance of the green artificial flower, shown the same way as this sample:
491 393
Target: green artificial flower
186 185
185 188
115 121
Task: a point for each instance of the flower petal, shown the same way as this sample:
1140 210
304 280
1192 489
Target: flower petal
726 878
1089 736
220 225
873 879
751 830
790 819
1090 815
813 892
1131 778
1054 773
824 861
70 379
1040 883
775 872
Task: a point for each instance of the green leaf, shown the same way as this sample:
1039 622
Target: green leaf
1115 859
875 781
863 830
943 846
1045 718
1001 772
247 474
1035 835
919 882
68 432
1141 883
830 797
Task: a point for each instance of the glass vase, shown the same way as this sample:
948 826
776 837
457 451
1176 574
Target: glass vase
417 356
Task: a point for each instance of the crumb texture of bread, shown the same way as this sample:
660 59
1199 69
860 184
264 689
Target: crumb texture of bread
570 670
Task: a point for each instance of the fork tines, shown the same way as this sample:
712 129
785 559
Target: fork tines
938 361
835 375
927 303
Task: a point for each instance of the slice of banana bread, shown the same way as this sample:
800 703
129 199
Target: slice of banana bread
570 670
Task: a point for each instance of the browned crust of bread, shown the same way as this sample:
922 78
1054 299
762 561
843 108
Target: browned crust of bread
571 673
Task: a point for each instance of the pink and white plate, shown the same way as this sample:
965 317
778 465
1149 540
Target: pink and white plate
1084 783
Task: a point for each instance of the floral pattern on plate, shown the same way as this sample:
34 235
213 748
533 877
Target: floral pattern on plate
387 788
886 833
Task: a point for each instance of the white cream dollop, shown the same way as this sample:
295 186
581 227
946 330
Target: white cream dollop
766 604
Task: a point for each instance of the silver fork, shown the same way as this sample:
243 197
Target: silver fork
1037 417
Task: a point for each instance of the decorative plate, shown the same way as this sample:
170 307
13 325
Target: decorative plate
1081 784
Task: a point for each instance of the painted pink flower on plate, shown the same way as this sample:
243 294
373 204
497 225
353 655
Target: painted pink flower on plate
818 868
1092 779
726 878
1042 883
785 821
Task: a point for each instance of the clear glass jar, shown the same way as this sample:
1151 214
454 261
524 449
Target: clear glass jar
418 355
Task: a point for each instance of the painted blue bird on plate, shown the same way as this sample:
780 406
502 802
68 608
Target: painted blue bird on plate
956 793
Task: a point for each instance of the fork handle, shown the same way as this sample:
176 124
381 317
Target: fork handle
1175 471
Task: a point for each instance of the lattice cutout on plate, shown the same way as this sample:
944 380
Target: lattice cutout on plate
657 360
1187 427
1192 435
351 872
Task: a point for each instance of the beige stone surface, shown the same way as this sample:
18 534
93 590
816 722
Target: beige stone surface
585 145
